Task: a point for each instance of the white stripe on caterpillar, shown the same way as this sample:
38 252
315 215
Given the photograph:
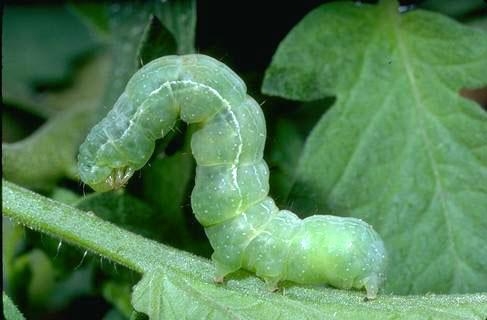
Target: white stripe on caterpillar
243 224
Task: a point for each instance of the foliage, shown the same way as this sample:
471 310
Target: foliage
400 147
372 125
10 311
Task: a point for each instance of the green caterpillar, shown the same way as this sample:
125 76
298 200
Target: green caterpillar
230 197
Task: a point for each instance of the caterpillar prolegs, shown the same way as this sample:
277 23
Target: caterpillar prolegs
230 197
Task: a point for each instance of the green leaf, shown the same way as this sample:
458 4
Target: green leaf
14 272
94 15
134 37
166 187
127 23
40 45
65 195
42 277
138 316
400 148
31 277
185 277
49 153
14 127
179 17
123 210
480 23
68 289
157 42
119 295
52 148
452 7
282 158
10 311
168 294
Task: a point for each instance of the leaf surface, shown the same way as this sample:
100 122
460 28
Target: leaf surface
169 294
124 210
10 311
40 46
400 148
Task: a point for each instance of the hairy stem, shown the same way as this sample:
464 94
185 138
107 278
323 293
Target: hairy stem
88 231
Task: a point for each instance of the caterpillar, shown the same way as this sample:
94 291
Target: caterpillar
230 197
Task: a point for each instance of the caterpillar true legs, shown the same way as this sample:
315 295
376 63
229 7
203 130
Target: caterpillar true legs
243 224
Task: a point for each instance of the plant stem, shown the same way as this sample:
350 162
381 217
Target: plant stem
86 230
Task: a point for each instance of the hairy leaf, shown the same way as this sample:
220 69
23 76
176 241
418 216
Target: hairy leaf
400 148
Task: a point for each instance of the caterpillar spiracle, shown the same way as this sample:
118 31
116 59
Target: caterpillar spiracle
230 197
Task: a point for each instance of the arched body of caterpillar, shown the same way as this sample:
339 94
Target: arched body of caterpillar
230 197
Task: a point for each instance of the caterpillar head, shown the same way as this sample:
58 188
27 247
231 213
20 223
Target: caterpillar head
104 178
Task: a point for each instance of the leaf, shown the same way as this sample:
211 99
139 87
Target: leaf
400 148
94 16
32 278
131 36
453 8
167 183
242 296
65 195
138 316
13 240
179 17
127 23
285 143
40 46
114 314
10 311
72 287
157 42
479 23
119 295
47 155
168 294
283 157
42 277
166 187
17 125
124 210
